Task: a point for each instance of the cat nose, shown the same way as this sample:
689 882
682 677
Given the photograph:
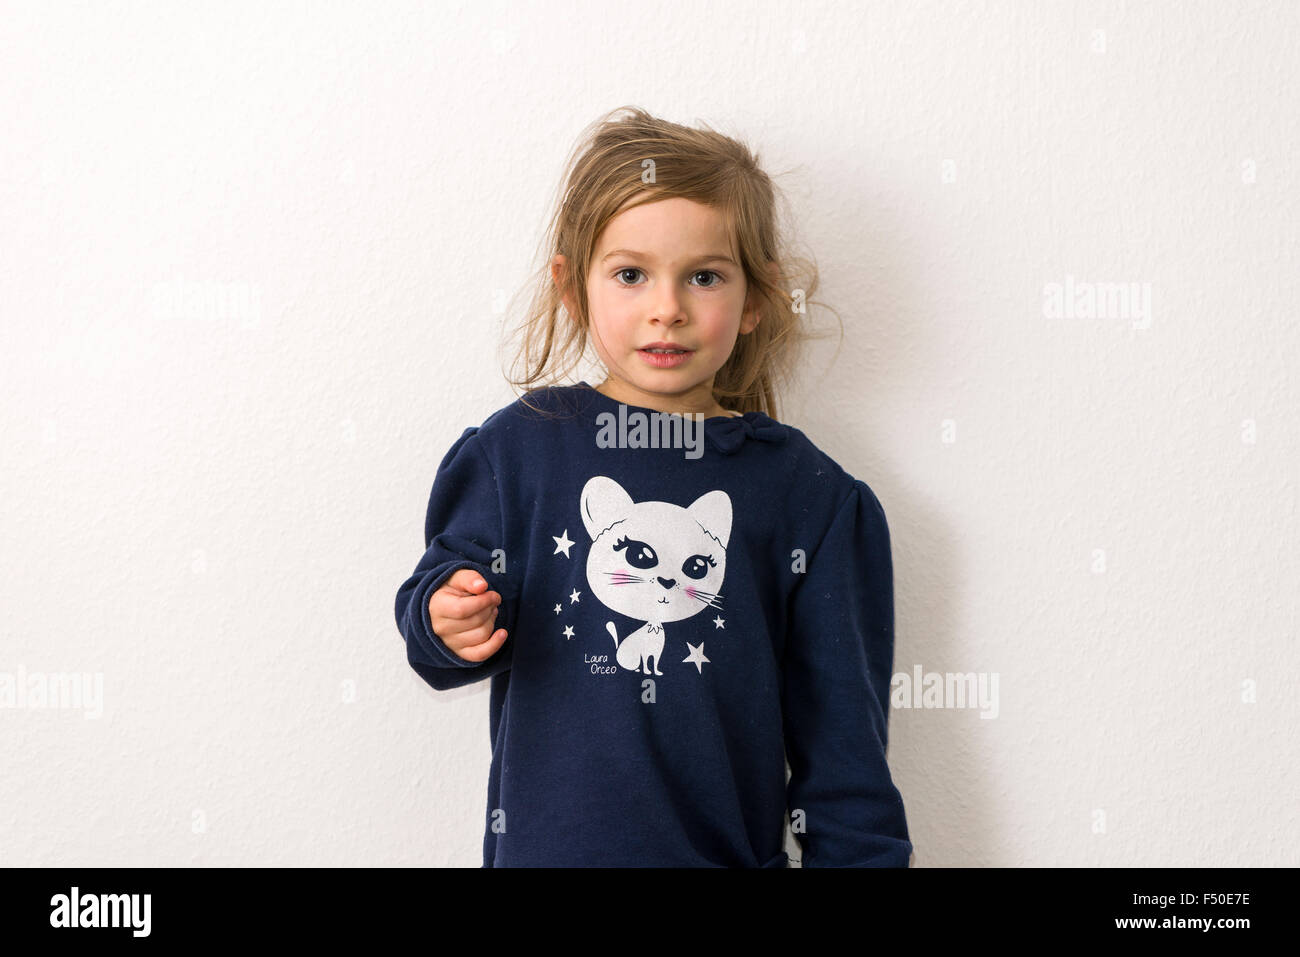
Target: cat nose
667 582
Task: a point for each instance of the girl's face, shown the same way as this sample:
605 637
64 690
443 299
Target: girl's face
663 273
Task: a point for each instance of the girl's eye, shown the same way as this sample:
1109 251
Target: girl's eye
701 272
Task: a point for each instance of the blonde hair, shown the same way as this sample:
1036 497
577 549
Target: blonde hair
637 158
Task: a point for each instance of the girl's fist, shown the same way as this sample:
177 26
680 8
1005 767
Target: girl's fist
463 614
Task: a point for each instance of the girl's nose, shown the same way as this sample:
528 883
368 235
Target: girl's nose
668 307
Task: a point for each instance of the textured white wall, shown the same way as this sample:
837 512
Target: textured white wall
210 503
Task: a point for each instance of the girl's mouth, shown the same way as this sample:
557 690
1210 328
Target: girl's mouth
665 358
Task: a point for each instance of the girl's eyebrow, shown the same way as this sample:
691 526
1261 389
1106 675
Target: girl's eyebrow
636 255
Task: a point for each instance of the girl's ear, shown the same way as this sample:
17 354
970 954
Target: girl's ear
749 320
560 276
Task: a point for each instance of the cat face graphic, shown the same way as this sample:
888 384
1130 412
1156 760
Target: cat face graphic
655 561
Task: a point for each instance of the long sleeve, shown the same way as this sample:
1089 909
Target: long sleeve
837 665
463 527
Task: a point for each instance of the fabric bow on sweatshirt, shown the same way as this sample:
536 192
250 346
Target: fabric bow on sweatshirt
729 434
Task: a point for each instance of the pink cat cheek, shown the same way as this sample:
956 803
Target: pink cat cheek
690 591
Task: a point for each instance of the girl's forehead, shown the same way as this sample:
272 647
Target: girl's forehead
667 228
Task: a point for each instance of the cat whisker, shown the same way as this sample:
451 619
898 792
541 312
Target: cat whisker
709 598
623 578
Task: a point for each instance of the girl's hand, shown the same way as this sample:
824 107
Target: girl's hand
463 614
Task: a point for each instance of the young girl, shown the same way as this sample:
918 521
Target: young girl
673 593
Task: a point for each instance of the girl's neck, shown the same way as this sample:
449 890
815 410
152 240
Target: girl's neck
616 393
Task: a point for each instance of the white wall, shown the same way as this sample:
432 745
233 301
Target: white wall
211 506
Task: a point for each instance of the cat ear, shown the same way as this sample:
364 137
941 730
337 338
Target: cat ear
713 511
603 502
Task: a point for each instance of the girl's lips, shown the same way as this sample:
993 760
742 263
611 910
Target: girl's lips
664 360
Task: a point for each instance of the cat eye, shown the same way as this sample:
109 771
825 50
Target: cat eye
639 554
697 566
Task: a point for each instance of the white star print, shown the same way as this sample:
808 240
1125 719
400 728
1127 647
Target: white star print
696 657
557 609
574 597
562 544
568 631
719 621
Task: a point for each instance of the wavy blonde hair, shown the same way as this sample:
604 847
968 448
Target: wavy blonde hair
636 158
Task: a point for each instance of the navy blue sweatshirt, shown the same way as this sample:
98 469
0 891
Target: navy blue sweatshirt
687 610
